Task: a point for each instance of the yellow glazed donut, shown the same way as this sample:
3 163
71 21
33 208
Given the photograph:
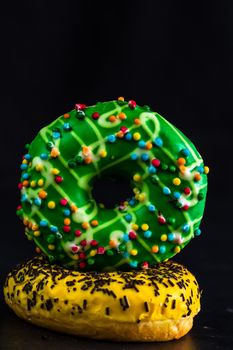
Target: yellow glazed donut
155 304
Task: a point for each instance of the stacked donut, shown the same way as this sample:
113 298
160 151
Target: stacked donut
104 272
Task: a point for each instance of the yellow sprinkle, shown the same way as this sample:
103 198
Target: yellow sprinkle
145 227
177 249
85 225
163 237
101 205
42 194
40 182
135 227
136 136
33 183
102 153
39 167
137 177
206 170
126 203
54 152
51 246
122 116
38 251
134 252
67 221
94 223
155 249
36 233
75 257
136 190
149 145
55 171
176 181
141 197
24 161
93 252
51 204
121 98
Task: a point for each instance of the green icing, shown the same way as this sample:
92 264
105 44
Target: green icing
112 243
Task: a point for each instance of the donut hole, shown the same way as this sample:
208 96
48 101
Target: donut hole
111 190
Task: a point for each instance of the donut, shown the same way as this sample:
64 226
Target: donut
154 304
167 177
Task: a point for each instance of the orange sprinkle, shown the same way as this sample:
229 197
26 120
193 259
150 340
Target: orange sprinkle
35 227
94 223
85 150
73 208
38 251
25 183
54 152
67 221
42 194
85 225
197 177
155 249
137 121
121 98
66 115
112 118
120 134
25 222
183 168
112 243
149 145
181 161
88 160
122 116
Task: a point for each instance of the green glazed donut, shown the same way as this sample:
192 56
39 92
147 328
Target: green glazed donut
166 172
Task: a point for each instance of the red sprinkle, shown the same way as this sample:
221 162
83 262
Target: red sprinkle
66 228
82 255
19 207
58 179
100 250
185 207
20 186
124 129
132 104
94 243
63 201
155 162
77 233
82 264
80 106
187 190
132 235
75 248
95 115
145 265
161 220
83 243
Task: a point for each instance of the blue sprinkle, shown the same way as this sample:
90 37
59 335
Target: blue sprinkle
185 228
27 156
37 201
141 144
162 249
44 156
125 255
176 195
152 169
53 228
56 134
133 263
132 202
24 198
128 136
111 138
66 126
25 176
151 207
197 232
23 166
134 156
166 191
200 169
158 142
66 212
171 236
43 223
147 234
185 152
125 237
144 157
128 217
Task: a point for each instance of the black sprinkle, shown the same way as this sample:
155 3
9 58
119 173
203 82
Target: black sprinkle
146 306
107 311
173 304
48 304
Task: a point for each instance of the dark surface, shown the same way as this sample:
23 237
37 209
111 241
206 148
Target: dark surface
174 56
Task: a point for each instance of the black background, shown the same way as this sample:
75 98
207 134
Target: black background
176 57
